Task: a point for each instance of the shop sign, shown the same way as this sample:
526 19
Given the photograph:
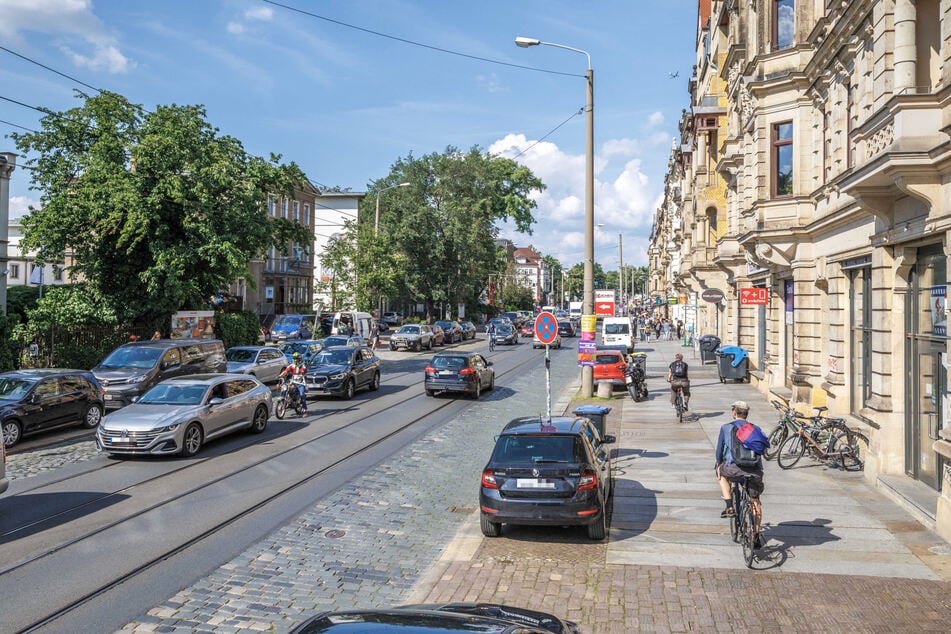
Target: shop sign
754 296
712 295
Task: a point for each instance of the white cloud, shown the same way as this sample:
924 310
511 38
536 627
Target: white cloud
69 18
655 119
235 28
259 13
620 147
491 83
20 206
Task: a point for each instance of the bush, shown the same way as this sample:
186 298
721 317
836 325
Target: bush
238 329
8 352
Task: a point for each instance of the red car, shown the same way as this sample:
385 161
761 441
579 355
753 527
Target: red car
439 336
609 366
527 329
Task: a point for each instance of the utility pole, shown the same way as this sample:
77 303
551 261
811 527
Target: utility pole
620 271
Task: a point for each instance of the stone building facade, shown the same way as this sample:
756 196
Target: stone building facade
831 238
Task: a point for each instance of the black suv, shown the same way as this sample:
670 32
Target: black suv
342 370
547 472
34 400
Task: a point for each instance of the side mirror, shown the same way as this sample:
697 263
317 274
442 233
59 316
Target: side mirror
488 363
217 400
608 440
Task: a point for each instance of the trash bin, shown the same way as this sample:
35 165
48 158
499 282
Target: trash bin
733 363
708 347
596 414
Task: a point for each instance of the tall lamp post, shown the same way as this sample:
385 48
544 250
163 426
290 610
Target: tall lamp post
587 306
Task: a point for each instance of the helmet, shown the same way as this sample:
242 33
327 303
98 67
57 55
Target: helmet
296 356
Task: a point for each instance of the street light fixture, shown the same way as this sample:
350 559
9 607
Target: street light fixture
587 372
376 222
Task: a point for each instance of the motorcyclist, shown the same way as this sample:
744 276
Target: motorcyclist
296 371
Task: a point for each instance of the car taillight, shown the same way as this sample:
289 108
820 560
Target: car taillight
430 369
488 479
467 371
588 480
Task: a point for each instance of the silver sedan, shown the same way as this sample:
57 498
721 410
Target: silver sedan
179 415
263 362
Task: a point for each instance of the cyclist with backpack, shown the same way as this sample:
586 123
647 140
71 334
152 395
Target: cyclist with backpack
739 456
678 379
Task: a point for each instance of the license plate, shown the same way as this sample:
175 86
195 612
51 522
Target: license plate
445 372
533 483
108 397
628 379
119 439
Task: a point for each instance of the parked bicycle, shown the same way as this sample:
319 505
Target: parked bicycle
819 426
287 396
743 522
839 448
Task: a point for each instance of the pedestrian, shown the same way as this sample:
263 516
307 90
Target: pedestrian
680 329
374 335
156 335
666 330
657 329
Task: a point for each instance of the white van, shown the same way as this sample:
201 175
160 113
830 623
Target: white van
356 324
618 331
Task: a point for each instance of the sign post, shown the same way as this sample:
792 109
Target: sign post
546 329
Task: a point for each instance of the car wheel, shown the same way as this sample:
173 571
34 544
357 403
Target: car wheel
489 529
599 529
191 440
259 422
430 393
11 432
375 383
392 348
492 382
348 390
478 390
417 346
429 346
92 416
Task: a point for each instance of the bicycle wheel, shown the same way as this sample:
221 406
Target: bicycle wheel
776 438
791 451
735 517
848 449
680 408
747 531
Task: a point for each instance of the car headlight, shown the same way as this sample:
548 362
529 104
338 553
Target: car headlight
168 428
138 379
337 377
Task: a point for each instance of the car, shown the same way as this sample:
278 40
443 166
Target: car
561 314
382 326
393 319
527 329
536 343
33 401
263 362
439 335
180 415
513 317
293 327
342 340
469 330
452 331
412 337
467 372
609 365
341 371
566 328
505 333
307 348
547 472
438 618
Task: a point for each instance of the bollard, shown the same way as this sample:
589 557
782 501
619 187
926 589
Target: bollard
605 389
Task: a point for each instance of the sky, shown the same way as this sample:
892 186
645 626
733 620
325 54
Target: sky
357 85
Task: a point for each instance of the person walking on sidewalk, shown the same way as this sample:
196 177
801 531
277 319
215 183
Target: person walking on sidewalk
677 376
727 470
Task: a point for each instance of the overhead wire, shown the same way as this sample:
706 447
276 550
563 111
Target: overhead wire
52 70
548 134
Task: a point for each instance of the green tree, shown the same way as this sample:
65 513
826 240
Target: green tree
517 297
20 299
157 209
436 242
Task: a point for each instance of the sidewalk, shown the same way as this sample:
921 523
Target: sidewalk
839 555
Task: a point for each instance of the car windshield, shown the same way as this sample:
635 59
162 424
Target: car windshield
14 389
449 363
535 449
336 341
333 357
616 329
408 330
503 329
132 357
288 320
240 355
174 394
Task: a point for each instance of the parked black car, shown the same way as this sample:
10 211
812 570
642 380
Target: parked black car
452 330
444 618
507 334
467 372
545 472
342 370
35 400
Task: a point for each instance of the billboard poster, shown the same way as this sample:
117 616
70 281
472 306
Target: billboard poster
939 308
589 324
587 350
193 324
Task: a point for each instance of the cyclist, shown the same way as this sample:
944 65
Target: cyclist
490 332
297 370
728 471
677 376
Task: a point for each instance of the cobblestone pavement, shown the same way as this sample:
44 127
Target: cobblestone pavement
25 465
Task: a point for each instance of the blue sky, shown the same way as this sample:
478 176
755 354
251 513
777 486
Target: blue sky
344 103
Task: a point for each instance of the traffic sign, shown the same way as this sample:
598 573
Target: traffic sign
546 328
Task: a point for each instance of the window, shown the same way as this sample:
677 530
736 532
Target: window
784 23
296 210
14 271
826 140
307 215
860 324
284 208
850 122
57 273
783 159
271 206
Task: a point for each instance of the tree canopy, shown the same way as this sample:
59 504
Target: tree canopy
156 210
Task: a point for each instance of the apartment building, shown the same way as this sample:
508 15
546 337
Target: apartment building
811 187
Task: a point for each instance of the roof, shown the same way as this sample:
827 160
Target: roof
461 353
554 425
39 373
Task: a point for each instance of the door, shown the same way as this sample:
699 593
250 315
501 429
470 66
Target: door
929 376
47 406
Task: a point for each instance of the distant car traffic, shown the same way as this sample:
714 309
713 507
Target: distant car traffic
545 472
382 326
467 372
452 331
412 337
341 371
178 416
392 318
262 362
527 329
609 365
556 343
506 334
32 401
566 328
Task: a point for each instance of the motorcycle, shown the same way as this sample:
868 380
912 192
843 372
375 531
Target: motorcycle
287 396
635 380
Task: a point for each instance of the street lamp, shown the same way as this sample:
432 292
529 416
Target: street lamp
587 306
376 222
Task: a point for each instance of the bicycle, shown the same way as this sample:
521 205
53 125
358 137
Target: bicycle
679 404
742 522
790 421
841 448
